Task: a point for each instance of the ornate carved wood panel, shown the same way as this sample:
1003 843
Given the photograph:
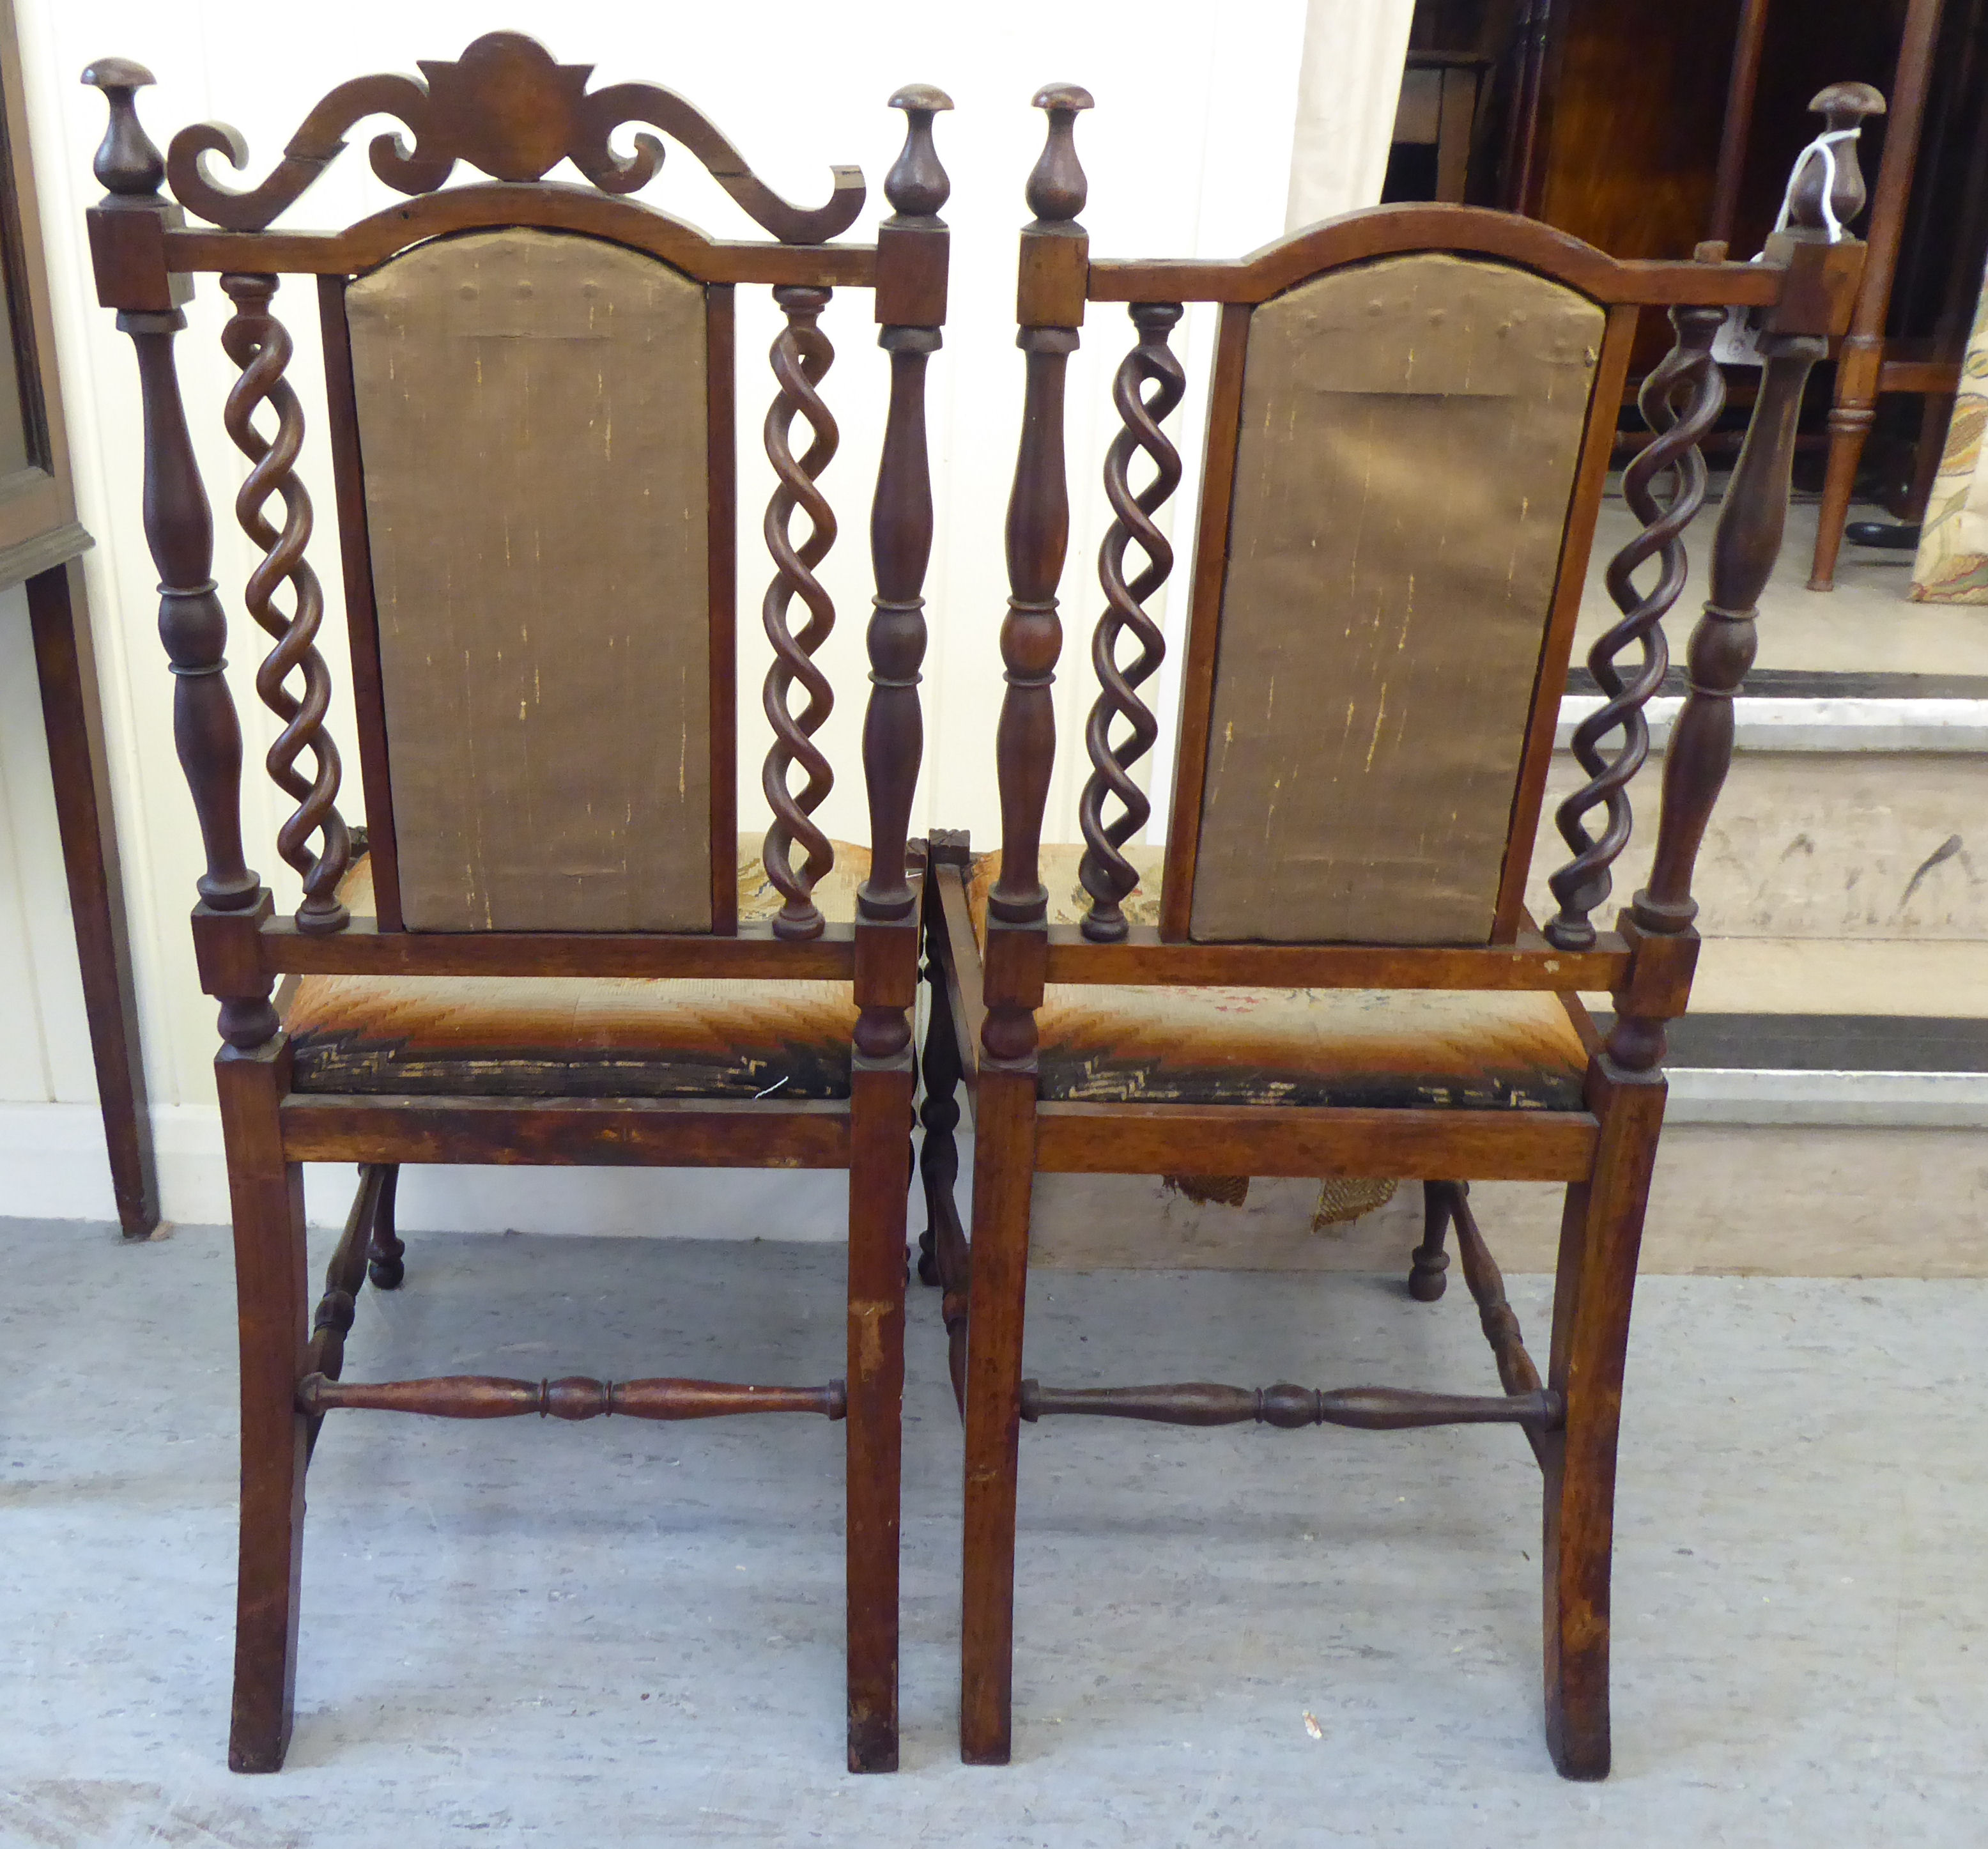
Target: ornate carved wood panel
506 106
1409 434
542 618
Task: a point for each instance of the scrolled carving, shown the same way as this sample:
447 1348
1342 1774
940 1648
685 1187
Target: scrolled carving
1149 384
801 356
505 107
258 342
1680 400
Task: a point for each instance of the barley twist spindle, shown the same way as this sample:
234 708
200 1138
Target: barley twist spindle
259 344
1680 400
1149 384
800 355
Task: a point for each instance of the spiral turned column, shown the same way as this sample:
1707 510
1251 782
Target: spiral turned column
1680 400
800 357
1149 385
258 342
1747 544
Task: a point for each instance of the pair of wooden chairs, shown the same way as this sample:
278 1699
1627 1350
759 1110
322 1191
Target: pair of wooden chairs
549 944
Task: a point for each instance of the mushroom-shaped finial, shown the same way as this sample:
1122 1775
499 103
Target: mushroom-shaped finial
1843 107
1056 189
916 185
127 163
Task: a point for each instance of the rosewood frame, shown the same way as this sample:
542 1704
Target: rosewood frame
984 1003
506 107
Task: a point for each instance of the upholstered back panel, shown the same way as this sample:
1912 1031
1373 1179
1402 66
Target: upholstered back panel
532 428
1409 433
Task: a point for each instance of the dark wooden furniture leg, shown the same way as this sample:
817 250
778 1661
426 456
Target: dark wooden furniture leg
939 1112
387 1266
272 1287
1055 252
1430 1262
66 663
1600 1233
1740 89
1602 1227
1004 1139
1860 357
880 1107
942 1251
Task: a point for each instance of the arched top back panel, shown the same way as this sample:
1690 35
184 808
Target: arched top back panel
1407 455
531 410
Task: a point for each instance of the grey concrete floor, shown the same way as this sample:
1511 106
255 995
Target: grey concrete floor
617 1633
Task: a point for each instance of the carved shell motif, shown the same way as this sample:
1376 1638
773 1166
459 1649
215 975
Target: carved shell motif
507 108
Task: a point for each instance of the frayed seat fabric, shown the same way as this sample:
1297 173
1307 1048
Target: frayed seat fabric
1376 1048
598 1037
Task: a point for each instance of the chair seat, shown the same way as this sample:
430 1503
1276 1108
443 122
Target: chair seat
1372 1048
596 1037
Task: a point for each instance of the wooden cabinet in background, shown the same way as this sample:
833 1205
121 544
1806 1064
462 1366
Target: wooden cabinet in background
41 547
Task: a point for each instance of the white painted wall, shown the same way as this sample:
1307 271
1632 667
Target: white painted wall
1190 150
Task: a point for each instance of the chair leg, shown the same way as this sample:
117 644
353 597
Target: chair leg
879 1188
1859 361
387 1266
942 1255
1848 429
1429 1260
938 1163
1003 1178
1601 1232
271 1287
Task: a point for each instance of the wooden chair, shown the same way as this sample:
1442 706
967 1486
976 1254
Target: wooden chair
1424 393
540 953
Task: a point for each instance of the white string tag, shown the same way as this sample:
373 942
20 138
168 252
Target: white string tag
1737 342
1823 145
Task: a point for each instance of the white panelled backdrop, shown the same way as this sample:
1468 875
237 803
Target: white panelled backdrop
1214 126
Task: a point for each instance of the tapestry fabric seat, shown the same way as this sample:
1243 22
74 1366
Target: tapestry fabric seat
598 1037
1423 1048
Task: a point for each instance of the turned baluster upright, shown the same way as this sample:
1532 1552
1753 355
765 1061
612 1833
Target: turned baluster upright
912 247
1659 921
127 234
126 229
911 260
1050 307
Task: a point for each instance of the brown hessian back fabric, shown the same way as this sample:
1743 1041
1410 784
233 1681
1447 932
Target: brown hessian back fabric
531 425
1410 431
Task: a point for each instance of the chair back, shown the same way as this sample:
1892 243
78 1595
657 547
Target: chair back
1411 421
531 400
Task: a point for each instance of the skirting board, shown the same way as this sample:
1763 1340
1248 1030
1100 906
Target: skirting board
1765 1200
52 1166
1773 1198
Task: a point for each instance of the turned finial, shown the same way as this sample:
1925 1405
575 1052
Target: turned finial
127 163
1057 188
1842 107
916 186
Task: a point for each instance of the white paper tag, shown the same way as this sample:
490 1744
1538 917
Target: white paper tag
1737 342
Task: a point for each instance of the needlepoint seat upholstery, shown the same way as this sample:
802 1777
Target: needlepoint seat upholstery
1230 1044
584 1036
